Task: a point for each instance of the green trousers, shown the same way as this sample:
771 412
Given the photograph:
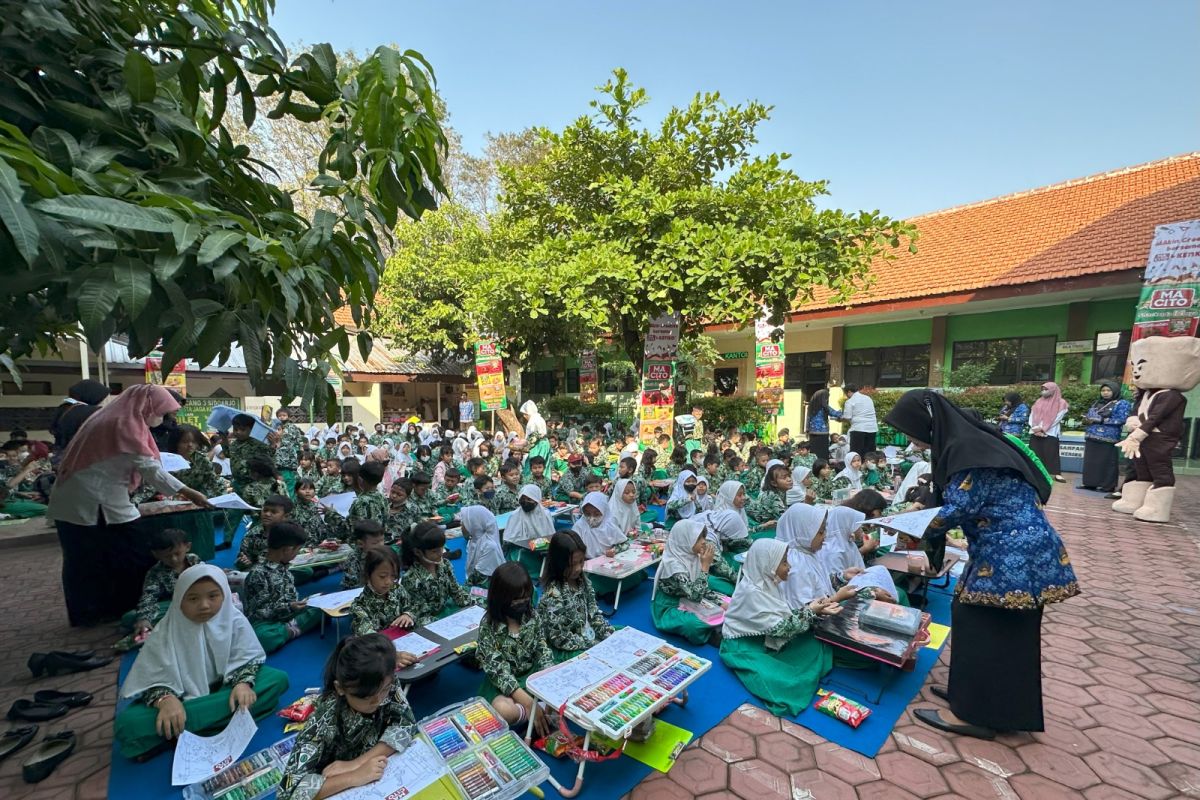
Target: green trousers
274 635
130 617
134 726
22 509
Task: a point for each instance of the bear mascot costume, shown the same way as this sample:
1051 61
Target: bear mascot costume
1163 368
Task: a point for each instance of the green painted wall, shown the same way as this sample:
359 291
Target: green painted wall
885 334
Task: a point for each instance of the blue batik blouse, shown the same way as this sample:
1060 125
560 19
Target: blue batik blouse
818 423
1016 420
1107 418
1017 559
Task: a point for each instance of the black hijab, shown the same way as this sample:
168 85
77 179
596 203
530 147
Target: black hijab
959 440
818 402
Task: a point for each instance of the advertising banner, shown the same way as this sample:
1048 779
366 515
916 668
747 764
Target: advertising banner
1169 303
489 373
657 406
176 378
589 377
196 410
768 369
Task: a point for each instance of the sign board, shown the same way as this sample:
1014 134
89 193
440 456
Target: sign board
196 410
1067 348
740 354
176 379
1168 304
662 340
768 368
657 400
589 377
489 374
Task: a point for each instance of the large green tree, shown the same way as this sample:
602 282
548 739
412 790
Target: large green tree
614 223
127 206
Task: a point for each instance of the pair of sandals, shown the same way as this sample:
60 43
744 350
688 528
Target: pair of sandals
54 749
933 718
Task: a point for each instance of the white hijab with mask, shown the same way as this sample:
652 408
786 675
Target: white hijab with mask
188 657
522 525
601 537
484 553
850 473
688 507
839 553
703 502
797 493
808 579
758 603
625 515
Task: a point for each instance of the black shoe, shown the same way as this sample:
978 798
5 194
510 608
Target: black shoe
934 720
55 663
31 711
14 740
52 751
75 654
1086 488
453 554
68 699
940 691
1113 496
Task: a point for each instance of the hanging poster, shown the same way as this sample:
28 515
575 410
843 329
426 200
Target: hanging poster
589 377
176 378
489 373
768 369
657 402
1169 303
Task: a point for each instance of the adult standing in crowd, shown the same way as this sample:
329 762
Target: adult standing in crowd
1104 421
105 552
817 424
466 411
859 412
84 399
1045 426
991 489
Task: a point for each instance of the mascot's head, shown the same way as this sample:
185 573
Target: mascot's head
1165 362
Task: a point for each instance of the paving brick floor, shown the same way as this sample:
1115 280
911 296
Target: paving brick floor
1121 677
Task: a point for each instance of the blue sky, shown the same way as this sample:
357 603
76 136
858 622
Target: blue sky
903 106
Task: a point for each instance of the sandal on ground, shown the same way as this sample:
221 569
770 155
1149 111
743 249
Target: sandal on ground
934 720
14 740
940 691
52 751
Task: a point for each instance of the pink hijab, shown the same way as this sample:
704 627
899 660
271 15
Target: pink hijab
120 427
1046 409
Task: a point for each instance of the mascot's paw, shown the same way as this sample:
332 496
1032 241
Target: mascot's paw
1157 506
1131 448
1133 495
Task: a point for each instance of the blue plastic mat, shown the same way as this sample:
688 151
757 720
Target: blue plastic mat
712 698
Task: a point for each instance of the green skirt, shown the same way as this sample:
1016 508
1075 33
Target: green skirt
489 692
669 619
785 681
22 509
274 635
134 726
197 524
720 585
530 560
767 533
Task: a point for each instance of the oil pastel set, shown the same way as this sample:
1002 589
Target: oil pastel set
250 778
484 758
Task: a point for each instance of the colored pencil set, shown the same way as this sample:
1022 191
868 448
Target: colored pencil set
602 693
253 776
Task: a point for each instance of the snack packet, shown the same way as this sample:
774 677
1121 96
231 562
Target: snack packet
841 708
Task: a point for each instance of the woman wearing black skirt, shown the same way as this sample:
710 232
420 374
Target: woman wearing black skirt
1104 421
817 425
992 490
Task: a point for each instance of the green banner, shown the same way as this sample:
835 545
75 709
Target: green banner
196 410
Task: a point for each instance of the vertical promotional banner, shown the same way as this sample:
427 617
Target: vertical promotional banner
658 378
589 377
1169 304
768 369
489 372
176 378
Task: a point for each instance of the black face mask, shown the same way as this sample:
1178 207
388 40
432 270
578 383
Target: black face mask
528 505
520 610
689 487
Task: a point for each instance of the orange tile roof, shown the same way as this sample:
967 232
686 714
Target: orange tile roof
1099 224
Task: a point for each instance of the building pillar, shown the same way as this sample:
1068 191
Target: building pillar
1077 321
837 356
937 352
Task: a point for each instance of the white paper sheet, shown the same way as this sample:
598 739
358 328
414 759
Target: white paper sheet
198 758
457 624
912 523
173 462
559 684
624 647
415 643
226 470
339 502
333 600
231 501
406 774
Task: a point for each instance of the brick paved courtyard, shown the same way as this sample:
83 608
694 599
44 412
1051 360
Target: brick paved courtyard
1121 678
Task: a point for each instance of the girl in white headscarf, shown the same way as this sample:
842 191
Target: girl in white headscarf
840 556
484 553
799 492
682 502
851 476
528 521
764 640
703 498
728 520
462 448
910 480
683 575
603 537
624 505
203 640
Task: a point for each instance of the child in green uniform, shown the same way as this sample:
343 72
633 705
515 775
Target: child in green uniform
360 720
683 575
510 487
538 477
421 500
242 447
331 478
202 642
383 603
512 646
367 534
765 641
171 548
272 605
263 482
821 481
308 513
570 484
428 579
802 457
771 502
570 618
275 509
875 475
401 515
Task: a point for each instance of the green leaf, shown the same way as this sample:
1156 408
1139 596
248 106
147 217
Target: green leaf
185 234
15 216
97 296
107 211
215 245
57 146
132 279
139 77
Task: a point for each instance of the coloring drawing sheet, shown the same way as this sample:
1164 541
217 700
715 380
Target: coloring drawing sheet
624 647
339 502
912 523
173 462
416 644
457 624
406 774
201 757
333 600
559 684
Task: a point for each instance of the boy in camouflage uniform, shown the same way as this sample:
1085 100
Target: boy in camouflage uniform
272 605
242 447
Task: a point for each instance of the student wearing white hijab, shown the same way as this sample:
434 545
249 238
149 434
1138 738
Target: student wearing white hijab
799 491
766 642
624 505
851 475
840 556
462 448
803 529
728 521
528 521
484 553
203 641
910 480
683 575
682 502
603 537
703 498
767 471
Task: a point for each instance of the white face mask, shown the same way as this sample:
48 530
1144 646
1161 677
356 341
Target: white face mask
594 521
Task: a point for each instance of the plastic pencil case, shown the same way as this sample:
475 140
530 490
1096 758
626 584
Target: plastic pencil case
250 778
484 758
